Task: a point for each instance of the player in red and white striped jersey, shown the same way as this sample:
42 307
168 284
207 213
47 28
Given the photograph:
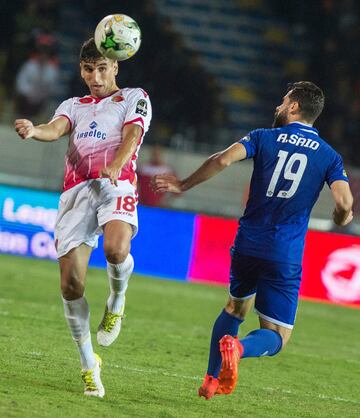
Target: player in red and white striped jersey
105 129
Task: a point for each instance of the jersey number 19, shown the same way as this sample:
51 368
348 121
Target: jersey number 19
294 176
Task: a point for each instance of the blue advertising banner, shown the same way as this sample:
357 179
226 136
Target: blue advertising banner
27 219
164 243
162 247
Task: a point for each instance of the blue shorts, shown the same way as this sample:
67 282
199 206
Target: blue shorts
275 284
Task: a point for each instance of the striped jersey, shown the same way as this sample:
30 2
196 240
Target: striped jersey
96 126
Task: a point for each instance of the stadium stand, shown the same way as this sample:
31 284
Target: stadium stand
244 47
213 69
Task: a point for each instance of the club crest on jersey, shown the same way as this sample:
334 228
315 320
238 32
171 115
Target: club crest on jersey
92 133
141 107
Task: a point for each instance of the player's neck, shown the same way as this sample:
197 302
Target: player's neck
302 121
107 93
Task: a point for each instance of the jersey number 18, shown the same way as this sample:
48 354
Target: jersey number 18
294 176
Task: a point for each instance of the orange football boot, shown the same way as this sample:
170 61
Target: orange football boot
231 352
209 387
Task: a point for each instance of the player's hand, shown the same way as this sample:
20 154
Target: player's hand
348 219
112 173
342 222
166 183
24 128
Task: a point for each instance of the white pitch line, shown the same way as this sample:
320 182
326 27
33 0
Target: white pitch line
197 378
308 395
316 356
36 354
153 371
269 389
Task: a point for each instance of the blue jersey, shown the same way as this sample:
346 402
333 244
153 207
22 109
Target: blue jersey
291 165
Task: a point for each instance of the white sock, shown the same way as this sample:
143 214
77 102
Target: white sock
119 275
78 318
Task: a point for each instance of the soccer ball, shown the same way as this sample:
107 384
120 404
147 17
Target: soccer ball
117 37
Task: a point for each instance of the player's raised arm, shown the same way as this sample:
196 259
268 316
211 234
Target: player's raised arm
45 132
212 166
343 198
131 136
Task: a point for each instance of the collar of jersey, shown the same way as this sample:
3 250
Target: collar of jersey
304 126
98 99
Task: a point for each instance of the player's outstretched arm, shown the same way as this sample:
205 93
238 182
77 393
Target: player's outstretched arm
212 166
46 132
131 136
343 198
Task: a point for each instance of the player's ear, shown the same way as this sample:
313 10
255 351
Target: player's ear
294 107
81 70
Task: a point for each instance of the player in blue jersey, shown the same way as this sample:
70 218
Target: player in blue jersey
291 165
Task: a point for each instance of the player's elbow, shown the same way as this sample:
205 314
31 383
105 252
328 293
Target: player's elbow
53 138
223 161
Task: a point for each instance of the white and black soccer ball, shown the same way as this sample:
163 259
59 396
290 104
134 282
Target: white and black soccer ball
117 37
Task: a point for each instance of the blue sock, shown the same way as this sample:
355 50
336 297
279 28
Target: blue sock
261 342
225 324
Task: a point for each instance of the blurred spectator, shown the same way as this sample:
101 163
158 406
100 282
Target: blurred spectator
30 19
37 79
155 165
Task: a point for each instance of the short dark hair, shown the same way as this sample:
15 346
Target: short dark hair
310 97
89 52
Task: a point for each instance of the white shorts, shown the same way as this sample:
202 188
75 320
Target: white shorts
87 207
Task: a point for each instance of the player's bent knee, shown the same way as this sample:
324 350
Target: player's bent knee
71 288
116 255
233 312
285 339
239 309
285 333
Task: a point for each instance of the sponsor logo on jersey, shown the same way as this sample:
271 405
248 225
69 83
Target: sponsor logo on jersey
122 212
299 141
341 274
141 107
92 133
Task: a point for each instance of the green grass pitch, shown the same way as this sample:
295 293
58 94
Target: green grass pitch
157 364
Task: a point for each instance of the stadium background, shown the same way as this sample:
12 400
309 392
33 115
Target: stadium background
214 70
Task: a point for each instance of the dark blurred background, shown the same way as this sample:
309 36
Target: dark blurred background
214 69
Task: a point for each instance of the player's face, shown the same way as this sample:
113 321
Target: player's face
281 116
99 76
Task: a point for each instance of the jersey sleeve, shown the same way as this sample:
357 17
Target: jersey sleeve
251 143
336 170
65 109
139 110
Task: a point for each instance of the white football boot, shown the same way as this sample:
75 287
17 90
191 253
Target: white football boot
92 380
110 326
